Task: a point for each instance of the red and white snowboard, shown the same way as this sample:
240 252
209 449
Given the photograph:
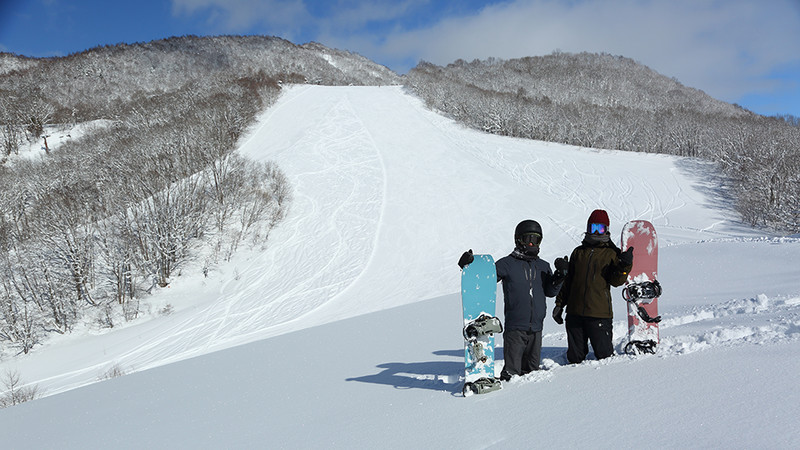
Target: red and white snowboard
643 312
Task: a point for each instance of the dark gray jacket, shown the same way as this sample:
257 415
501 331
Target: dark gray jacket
526 283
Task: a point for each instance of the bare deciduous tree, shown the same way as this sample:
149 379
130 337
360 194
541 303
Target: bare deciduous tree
15 391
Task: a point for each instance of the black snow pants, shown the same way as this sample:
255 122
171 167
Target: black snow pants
581 330
522 351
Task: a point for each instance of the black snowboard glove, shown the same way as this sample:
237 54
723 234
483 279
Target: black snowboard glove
557 312
626 257
466 259
562 266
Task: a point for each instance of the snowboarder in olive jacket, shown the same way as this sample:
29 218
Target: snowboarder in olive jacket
595 266
527 280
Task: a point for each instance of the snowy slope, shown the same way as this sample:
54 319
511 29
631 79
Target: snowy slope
345 331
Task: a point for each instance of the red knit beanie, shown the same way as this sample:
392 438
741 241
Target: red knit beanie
597 216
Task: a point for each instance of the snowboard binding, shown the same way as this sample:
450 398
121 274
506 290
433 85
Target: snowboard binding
482 326
641 291
646 316
481 386
634 348
476 350
634 292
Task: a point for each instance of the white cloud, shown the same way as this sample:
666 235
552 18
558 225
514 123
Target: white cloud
355 14
295 19
723 47
240 16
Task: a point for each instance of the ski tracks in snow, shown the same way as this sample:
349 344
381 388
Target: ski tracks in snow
334 221
654 188
338 179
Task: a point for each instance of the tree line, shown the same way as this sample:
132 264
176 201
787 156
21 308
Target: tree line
605 101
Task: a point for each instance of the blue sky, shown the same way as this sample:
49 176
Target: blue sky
740 51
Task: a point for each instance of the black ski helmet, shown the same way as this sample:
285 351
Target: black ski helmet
526 227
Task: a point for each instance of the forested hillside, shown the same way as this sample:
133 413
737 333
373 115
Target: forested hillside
612 102
89 228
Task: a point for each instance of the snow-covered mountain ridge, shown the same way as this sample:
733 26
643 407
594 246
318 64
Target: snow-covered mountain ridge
345 330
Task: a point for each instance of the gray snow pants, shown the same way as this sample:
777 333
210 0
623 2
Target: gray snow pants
522 352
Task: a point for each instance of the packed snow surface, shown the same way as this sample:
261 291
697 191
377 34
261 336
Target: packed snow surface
345 331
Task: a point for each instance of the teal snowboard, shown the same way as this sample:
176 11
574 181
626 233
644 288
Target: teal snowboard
478 288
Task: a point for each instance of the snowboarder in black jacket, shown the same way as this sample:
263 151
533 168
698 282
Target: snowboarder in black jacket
594 266
527 280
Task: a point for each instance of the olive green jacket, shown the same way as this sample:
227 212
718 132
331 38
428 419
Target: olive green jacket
593 269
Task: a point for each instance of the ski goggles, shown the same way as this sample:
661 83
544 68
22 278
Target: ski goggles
529 239
598 228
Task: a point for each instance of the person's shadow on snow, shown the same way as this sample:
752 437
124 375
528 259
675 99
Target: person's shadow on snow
434 375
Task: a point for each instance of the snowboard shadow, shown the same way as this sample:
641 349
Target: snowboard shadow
433 375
